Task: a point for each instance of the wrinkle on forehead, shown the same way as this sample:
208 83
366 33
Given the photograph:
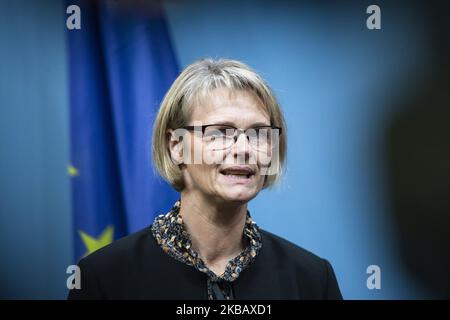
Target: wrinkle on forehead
223 104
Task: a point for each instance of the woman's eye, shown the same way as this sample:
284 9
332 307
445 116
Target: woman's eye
214 136
218 133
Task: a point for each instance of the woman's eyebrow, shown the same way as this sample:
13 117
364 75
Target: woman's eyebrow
261 124
232 124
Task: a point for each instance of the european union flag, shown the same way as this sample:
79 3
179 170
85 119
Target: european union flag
121 65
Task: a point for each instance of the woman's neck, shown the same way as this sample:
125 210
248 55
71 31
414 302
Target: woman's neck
216 229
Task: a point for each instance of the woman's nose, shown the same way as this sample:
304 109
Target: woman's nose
241 147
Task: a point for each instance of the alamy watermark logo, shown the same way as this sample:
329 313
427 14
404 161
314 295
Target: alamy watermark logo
74 280
73 21
224 144
373 22
374 280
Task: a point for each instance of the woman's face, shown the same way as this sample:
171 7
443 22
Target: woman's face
232 174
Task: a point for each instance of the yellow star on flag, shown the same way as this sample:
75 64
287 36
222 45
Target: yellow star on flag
72 171
92 244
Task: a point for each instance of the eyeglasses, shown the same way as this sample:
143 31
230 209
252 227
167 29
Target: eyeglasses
221 137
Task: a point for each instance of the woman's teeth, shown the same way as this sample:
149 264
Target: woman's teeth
239 176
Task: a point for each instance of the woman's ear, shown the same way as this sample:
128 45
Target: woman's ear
175 146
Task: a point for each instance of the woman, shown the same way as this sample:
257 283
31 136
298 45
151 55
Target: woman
219 139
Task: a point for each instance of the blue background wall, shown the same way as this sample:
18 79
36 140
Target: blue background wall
333 77
35 238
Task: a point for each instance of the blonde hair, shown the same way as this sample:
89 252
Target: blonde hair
196 81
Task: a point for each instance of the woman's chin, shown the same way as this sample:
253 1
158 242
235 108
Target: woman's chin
238 194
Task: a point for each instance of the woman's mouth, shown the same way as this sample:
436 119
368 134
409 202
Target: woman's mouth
241 174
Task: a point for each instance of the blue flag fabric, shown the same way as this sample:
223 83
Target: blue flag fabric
121 63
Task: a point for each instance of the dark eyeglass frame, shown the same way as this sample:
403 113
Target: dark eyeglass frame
237 133
203 128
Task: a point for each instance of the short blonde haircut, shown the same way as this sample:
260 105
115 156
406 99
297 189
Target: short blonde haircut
196 81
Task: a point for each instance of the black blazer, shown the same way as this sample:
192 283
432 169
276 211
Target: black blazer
135 267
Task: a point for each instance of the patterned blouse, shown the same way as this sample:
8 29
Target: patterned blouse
171 236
